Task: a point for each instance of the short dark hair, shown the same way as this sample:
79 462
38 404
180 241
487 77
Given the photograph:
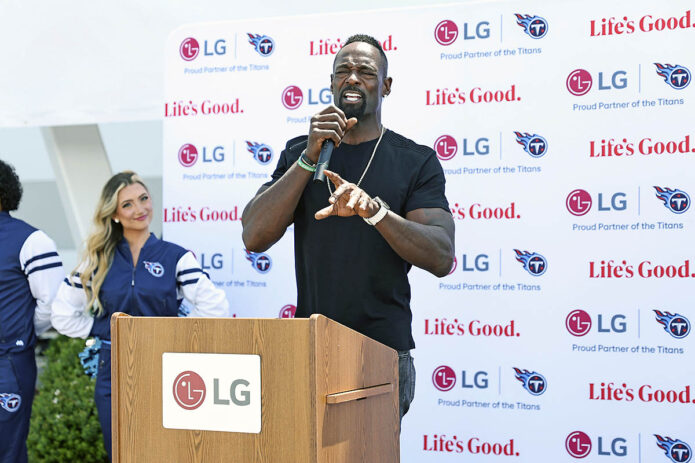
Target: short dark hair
10 188
371 41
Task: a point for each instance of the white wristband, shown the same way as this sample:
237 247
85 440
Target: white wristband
380 214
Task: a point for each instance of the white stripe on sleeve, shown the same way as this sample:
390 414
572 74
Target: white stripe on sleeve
41 264
195 286
68 314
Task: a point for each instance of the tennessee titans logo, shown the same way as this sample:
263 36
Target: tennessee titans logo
155 268
533 382
260 261
676 201
534 263
676 76
264 45
534 26
10 402
261 152
676 450
534 145
674 324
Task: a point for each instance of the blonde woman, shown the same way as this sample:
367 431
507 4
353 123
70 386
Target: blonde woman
125 268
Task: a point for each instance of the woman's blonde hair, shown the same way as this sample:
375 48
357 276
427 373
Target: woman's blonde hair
101 242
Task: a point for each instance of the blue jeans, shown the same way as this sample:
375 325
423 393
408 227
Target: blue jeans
406 381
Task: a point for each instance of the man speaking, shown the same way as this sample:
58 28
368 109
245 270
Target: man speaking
382 210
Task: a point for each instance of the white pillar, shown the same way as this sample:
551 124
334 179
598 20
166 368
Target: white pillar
81 168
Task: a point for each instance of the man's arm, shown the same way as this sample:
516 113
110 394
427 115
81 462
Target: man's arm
424 238
270 212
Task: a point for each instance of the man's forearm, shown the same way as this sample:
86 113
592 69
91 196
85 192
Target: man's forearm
270 212
429 247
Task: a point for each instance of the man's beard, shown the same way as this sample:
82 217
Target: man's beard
355 110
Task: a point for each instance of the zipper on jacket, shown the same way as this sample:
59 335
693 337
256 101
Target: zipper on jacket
132 280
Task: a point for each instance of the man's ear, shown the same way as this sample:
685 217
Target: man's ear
387 86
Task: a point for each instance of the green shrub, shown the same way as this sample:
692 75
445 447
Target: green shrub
64 424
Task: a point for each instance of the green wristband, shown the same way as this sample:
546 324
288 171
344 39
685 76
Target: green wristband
304 165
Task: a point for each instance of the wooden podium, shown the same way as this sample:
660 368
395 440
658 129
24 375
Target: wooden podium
328 393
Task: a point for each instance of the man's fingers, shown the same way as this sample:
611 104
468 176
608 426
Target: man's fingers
336 126
327 135
333 109
335 178
363 204
354 197
339 191
323 213
328 118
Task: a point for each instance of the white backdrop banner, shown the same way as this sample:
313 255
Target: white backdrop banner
565 131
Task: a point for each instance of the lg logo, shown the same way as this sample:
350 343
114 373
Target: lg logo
579 82
189 390
288 311
446 32
578 322
188 154
292 97
578 444
189 49
211 392
446 147
444 378
578 202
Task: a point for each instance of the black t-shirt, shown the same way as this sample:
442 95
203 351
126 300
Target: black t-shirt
345 269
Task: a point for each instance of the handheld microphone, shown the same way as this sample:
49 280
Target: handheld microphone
324 159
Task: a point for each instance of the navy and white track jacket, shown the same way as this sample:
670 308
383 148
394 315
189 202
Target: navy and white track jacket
164 275
30 274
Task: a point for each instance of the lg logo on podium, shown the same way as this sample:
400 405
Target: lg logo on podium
211 392
189 390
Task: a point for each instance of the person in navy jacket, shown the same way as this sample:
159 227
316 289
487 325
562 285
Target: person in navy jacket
30 273
127 269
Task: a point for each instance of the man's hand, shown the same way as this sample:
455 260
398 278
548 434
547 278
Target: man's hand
329 124
425 237
347 200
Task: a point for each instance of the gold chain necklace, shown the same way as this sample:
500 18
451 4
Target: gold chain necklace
383 130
